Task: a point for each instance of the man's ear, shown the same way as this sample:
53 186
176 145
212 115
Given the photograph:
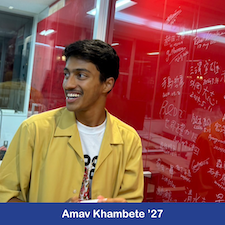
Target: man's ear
109 83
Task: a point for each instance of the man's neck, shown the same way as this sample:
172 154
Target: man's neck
91 119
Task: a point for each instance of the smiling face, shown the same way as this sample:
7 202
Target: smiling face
83 90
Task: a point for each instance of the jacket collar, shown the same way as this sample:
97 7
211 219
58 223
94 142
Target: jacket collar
111 137
67 127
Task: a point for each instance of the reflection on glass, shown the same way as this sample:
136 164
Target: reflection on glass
171 90
69 24
208 164
15 36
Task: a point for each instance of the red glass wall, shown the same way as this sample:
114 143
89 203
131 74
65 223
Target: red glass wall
171 90
67 25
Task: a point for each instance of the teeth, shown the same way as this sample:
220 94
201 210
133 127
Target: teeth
72 95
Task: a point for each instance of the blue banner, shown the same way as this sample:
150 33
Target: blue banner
112 213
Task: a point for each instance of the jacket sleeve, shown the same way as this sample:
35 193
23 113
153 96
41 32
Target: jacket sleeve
133 179
16 166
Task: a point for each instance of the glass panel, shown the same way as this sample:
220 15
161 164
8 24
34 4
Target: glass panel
137 38
15 34
67 25
171 89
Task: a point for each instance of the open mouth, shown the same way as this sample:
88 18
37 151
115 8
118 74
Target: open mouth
72 95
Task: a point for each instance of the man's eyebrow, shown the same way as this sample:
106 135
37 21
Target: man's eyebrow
77 70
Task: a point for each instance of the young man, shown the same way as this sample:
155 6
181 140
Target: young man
81 151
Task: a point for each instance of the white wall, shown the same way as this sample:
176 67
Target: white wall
9 126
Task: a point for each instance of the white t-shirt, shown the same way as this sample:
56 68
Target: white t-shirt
91 139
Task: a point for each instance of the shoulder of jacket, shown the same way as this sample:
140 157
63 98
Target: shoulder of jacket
50 115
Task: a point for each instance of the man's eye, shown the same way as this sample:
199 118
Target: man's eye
81 76
66 75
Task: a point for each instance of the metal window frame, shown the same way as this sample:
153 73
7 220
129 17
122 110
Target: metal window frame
104 18
30 66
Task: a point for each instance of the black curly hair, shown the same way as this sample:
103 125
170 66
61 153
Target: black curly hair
101 54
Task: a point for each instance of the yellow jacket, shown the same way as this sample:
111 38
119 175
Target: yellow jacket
45 162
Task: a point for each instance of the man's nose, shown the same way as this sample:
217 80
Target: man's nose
71 82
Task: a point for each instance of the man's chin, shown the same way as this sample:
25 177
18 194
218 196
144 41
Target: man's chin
70 108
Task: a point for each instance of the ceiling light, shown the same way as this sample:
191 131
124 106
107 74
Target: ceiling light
120 5
153 53
115 44
60 47
123 4
189 32
50 31
42 44
11 7
42 32
46 32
